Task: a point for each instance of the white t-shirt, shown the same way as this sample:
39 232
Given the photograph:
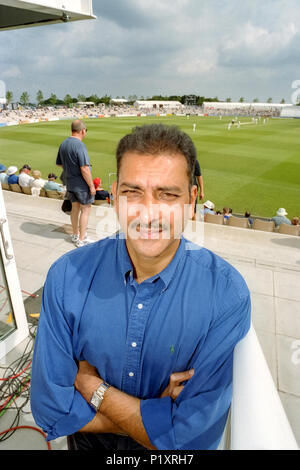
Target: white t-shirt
38 183
25 180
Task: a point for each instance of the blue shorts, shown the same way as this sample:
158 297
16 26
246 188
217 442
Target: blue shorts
83 197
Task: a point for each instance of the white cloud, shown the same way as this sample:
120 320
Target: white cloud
12 71
207 47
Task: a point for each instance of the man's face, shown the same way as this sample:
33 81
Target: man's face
153 201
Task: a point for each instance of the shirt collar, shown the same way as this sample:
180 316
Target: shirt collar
165 275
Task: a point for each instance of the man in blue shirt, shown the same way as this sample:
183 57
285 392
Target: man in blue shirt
73 157
136 335
13 178
52 185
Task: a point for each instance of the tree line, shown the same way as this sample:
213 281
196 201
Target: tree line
70 101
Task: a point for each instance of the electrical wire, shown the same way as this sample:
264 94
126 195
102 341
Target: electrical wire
27 427
15 389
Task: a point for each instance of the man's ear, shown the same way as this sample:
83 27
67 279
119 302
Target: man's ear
114 189
193 198
114 192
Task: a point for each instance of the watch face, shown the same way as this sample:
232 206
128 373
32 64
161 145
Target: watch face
97 397
95 401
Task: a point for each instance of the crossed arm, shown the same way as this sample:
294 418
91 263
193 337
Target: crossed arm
120 413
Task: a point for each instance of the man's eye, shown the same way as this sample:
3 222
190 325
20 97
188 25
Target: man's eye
168 196
129 192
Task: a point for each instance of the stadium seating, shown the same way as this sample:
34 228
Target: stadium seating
238 222
26 190
16 188
100 202
263 225
215 219
55 194
289 229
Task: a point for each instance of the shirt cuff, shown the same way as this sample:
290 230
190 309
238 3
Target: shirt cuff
79 415
157 419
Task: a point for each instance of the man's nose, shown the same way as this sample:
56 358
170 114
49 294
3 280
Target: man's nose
149 209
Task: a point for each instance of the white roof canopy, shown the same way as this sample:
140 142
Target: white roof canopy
22 13
151 104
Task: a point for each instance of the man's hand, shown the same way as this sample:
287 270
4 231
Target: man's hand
201 195
92 190
120 413
174 387
88 380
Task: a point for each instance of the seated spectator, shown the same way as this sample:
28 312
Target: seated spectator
12 177
3 175
248 216
209 207
51 184
295 221
227 213
25 180
101 194
280 217
38 180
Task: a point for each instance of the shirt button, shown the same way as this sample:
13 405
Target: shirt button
134 345
140 306
131 374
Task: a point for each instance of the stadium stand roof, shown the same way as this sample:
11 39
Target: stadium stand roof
291 112
21 13
157 104
118 100
227 105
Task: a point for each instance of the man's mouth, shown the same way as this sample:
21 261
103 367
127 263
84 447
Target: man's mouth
149 233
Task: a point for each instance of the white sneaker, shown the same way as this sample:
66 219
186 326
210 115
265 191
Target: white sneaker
74 238
85 241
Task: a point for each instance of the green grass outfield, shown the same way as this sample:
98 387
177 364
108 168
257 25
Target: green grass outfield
254 167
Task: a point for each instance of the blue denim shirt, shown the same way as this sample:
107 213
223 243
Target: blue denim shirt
190 315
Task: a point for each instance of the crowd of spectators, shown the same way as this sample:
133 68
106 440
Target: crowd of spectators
26 114
243 111
279 218
80 111
26 177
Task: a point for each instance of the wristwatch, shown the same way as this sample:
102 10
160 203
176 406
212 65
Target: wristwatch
98 395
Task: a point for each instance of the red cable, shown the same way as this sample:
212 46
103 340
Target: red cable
27 427
17 375
11 396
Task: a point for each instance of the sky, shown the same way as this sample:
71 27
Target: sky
212 48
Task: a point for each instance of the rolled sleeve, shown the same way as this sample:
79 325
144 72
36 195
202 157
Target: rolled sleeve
56 406
196 420
79 414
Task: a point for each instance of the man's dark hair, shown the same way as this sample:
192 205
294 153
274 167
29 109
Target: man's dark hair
155 139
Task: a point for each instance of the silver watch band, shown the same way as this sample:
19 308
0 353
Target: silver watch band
98 395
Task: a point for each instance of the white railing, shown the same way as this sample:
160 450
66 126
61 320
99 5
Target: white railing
258 420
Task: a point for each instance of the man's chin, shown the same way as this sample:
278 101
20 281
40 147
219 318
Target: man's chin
150 247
